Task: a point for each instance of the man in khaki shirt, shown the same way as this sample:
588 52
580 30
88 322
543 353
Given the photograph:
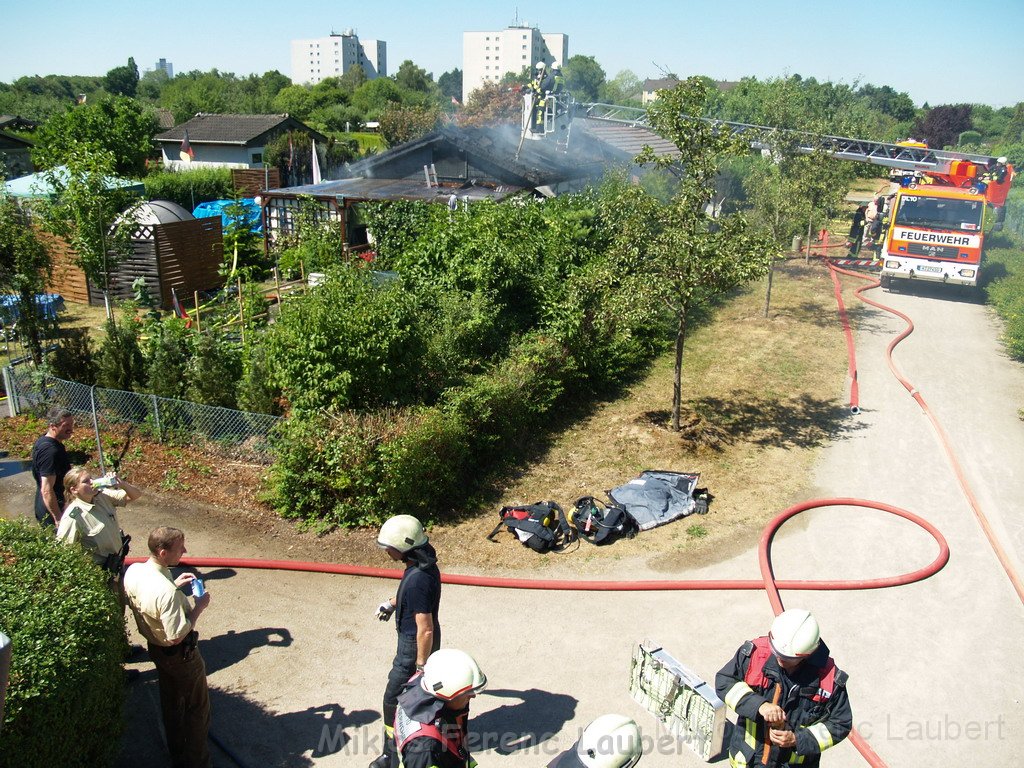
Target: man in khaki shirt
164 618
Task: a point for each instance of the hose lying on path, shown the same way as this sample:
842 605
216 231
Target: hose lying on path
768 581
944 442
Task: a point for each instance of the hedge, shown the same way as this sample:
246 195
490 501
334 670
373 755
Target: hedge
66 685
190 188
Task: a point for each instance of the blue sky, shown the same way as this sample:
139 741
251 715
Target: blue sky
942 51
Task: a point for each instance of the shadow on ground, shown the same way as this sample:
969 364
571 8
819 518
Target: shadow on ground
792 422
535 717
247 734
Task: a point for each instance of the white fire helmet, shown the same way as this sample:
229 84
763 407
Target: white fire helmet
401 532
449 673
541 66
794 634
557 66
610 741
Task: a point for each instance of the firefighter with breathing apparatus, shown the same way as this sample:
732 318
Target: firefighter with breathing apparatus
432 720
788 695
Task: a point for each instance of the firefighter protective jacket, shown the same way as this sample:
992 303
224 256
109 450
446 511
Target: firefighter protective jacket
427 733
813 697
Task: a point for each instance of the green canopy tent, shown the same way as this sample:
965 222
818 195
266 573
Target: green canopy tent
38 185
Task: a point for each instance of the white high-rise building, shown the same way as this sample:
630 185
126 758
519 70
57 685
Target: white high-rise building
166 66
333 56
488 56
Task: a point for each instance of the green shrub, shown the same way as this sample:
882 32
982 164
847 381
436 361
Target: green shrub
121 364
167 355
189 188
66 688
74 359
213 370
348 343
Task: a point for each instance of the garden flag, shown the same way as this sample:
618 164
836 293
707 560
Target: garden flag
179 311
316 166
187 154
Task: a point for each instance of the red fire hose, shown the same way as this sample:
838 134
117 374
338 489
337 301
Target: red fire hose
768 581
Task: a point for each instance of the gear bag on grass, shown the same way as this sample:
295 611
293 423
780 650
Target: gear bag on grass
541 526
657 497
600 523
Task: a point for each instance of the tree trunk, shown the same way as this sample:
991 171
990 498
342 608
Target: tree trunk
807 253
677 377
28 325
768 291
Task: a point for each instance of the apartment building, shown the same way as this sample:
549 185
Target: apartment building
334 55
488 56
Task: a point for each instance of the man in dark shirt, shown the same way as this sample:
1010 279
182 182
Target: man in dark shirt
415 607
49 465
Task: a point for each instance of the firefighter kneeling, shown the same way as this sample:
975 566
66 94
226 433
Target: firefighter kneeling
431 724
789 696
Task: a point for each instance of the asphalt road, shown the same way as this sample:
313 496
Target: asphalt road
297 662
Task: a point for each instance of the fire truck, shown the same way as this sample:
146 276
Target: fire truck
944 203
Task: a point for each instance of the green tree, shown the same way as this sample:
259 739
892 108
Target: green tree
95 219
401 124
347 344
24 262
583 77
414 78
118 125
353 79
697 257
122 81
374 96
492 104
121 364
151 84
167 354
213 370
450 84
624 89
889 101
295 100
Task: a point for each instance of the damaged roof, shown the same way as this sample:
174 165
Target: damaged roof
395 189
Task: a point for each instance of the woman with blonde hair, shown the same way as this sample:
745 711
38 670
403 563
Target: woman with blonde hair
91 520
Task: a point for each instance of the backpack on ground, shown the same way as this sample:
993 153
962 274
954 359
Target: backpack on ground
600 523
541 526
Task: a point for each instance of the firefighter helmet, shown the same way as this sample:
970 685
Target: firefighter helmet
541 66
401 532
557 66
610 741
794 634
449 673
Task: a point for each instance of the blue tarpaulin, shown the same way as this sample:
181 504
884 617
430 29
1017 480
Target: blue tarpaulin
219 208
47 306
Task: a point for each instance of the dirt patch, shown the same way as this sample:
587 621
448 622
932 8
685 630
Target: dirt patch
761 395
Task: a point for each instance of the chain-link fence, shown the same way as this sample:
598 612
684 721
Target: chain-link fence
237 434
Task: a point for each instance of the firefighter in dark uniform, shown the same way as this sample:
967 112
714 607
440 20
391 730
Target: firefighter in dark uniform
415 606
788 695
432 721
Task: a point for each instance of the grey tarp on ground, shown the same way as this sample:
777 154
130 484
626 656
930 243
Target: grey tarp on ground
657 497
